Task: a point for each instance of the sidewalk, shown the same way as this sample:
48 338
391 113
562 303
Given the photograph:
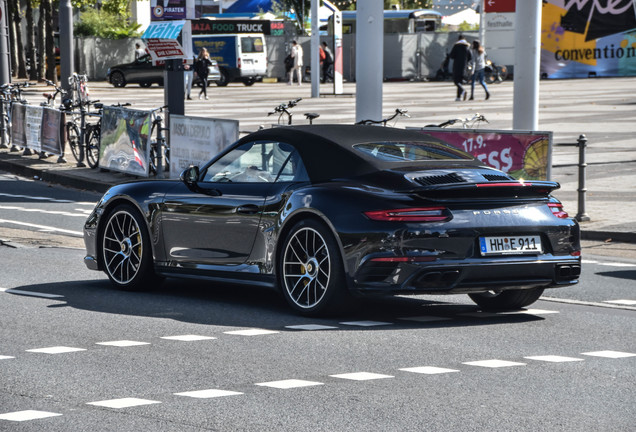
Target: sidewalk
604 114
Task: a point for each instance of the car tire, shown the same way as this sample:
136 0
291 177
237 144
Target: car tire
117 79
223 80
506 300
249 81
126 250
145 84
310 270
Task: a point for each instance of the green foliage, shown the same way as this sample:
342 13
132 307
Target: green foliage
465 26
108 25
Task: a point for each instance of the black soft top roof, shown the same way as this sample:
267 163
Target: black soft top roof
328 152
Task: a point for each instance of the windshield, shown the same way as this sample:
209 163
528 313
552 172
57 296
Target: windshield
411 151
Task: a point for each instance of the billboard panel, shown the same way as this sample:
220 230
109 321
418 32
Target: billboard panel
588 38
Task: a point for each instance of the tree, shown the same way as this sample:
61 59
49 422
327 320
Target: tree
30 37
301 8
111 21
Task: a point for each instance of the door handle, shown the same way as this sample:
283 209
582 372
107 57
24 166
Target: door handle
248 209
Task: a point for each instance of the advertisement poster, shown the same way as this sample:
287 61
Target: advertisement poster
18 119
172 9
195 141
125 145
582 38
51 137
522 155
32 126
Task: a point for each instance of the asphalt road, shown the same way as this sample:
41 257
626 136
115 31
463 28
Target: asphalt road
77 354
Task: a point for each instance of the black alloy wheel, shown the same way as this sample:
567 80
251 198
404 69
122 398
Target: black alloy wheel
506 300
117 79
126 250
311 272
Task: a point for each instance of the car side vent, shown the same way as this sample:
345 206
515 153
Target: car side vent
440 179
496 177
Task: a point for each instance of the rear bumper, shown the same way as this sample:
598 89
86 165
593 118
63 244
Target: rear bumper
468 276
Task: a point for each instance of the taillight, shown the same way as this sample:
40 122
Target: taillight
238 62
557 210
424 214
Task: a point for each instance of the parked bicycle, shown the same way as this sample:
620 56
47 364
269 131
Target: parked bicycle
79 88
9 94
398 113
79 137
159 148
466 123
50 97
283 109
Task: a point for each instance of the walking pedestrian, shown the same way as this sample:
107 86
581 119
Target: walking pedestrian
478 61
201 66
188 76
297 56
327 64
139 51
460 56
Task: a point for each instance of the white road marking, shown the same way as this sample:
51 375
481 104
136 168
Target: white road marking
206 394
429 370
290 383
19 416
617 264
122 343
365 323
554 358
3 357
51 212
424 319
361 376
30 293
123 403
494 363
251 332
49 199
310 327
188 338
609 354
621 302
56 350
43 227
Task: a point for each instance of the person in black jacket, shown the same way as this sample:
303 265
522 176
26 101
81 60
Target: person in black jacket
460 56
201 69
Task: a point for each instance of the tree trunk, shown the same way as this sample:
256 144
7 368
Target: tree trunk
41 44
51 72
21 62
30 45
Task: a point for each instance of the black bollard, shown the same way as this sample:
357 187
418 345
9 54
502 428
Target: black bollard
582 216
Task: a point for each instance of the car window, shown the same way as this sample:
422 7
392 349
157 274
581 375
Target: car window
411 151
258 162
251 44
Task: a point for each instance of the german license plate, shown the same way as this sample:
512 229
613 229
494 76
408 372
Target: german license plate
510 245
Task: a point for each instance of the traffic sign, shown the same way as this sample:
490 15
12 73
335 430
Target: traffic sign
500 6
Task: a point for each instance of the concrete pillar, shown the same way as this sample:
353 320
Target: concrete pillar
369 59
525 110
315 47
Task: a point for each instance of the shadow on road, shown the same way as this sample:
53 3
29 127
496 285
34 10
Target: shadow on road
243 306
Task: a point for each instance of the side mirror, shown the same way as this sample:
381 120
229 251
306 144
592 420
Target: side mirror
190 176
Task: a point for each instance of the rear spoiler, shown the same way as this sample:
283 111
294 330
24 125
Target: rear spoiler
500 189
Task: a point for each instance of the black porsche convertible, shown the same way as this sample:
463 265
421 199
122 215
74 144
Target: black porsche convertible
328 213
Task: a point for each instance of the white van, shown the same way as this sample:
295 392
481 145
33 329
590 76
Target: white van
241 57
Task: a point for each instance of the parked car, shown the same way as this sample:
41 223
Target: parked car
143 72
324 213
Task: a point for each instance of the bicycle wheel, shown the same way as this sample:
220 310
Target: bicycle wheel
73 139
502 73
93 137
